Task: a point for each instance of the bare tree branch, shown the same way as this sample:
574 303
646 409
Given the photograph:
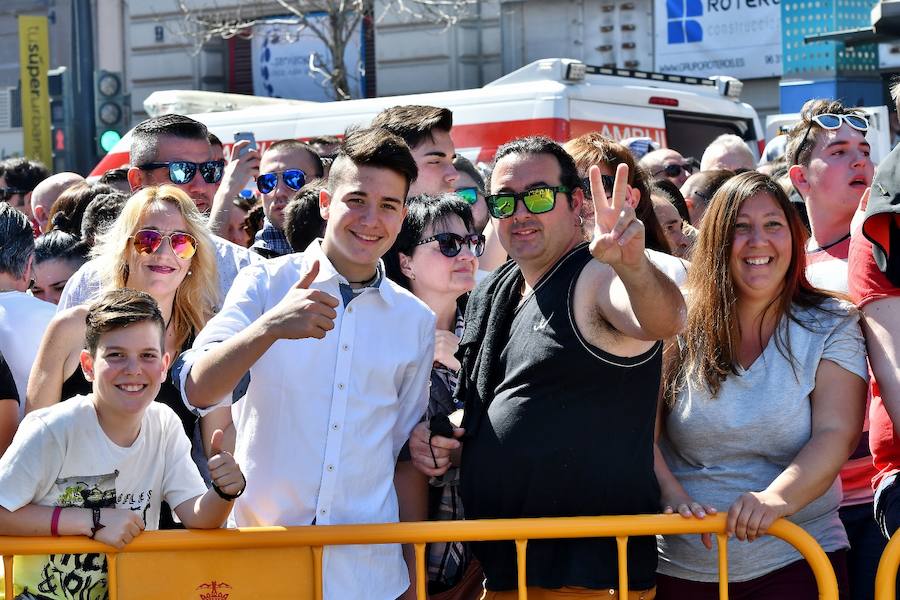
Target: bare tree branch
341 22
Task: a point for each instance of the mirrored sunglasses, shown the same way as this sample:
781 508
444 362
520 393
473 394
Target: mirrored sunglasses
183 171
537 201
148 241
451 244
293 178
832 121
469 194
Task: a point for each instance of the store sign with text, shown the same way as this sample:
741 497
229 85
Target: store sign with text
740 38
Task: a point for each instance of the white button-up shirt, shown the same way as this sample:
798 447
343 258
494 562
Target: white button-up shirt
322 423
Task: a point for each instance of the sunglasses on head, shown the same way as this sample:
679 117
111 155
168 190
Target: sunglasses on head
469 194
8 193
832 121
183 171
538 200
451 244
293 178
148 241
675 169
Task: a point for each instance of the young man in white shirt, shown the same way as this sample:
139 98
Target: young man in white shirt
339 359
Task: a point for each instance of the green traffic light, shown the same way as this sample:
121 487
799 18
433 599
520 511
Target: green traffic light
109 139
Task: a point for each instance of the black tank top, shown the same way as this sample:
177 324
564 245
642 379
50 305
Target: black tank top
569 432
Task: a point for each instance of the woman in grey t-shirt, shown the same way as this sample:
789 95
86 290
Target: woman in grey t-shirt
764 402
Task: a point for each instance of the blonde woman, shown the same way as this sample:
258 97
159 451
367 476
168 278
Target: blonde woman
160 245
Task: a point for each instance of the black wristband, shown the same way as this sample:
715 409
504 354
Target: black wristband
229 497
97 524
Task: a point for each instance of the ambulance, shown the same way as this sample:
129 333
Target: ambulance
559 98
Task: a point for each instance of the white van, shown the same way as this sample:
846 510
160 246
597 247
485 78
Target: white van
556 97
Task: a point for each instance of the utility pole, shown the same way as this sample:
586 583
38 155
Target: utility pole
83 85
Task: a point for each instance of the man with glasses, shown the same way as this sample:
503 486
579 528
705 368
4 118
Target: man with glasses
284 168
470 187
668 164
18 178
173 150
560 349
831 169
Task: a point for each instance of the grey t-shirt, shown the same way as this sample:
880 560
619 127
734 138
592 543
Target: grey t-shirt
742 439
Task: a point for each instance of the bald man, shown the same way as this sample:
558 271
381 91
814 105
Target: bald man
46 193
666 163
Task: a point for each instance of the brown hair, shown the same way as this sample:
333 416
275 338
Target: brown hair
374 147
803 136
594 149
708 353
67 212
120 308
414 123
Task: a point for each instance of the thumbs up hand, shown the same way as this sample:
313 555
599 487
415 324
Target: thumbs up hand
303 312
224 471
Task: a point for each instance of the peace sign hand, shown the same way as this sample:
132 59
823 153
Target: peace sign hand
618 238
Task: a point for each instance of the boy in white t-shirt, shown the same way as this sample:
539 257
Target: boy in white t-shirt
100 465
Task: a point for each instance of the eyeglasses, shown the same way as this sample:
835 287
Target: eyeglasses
469 194
148 241
608 182
538 200
831 122
451 244
182 172
293 178
675 169
8 193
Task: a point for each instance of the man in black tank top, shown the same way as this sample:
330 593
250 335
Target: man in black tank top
561 369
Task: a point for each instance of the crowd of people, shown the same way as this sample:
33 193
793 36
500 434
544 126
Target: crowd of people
373 328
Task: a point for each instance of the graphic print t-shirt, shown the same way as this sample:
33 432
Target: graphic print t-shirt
61 457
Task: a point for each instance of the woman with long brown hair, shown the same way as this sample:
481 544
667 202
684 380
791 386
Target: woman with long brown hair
763 402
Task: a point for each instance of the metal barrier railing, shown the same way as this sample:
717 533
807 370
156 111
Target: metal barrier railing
886 577
419 534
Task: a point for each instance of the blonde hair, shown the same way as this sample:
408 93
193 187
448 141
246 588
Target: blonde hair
197 296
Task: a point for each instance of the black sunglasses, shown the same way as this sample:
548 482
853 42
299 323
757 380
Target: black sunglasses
608 182
451 244
537 200
293 178
675 169
8 193
183 171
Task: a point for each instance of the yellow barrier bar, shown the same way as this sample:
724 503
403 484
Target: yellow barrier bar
317 572
520 530
7 572
421 579
112 576
622 551
886 577
722 540
521 547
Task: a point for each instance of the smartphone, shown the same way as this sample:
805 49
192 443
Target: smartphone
245 135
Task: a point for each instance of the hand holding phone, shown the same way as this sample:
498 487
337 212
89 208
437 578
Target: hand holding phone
245 135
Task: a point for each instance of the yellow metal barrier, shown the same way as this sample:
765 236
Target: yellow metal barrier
886 578
314 538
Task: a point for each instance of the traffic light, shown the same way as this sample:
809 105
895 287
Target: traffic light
59 87
111 110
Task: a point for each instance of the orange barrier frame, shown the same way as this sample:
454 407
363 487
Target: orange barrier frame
886 577
419 534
